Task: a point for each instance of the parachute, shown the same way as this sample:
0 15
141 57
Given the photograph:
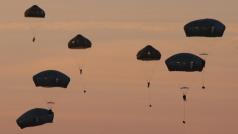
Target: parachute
35 11
50 104
204 28
51 78
203 54
184 88
185 62
79 47
79 42
146 55
35 117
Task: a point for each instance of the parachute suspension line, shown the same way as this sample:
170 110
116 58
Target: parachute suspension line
50 104
82 71
32 29
79 68
149 98
148 55
184 96
77 62
203 72
83 62
81 44
203 75
151 71
34 14
83 87
184 112
33 33
78 58
148 71
144 71
73 56
203 80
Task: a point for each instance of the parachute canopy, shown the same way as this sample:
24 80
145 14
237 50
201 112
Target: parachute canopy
35 11
79 42
35 117
148 53
50 102
185 62
51 78
204 28
184 88
204 54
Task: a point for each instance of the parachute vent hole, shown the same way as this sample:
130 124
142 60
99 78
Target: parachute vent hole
36 120
149 53
57 80
191 64
196 28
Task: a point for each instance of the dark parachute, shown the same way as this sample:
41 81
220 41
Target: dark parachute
149 56
148 53
204 28
35 117
51 78
79 42
83 47
35 11
185 62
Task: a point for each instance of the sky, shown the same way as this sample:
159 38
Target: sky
117 97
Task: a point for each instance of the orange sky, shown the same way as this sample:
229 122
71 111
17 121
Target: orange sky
115 80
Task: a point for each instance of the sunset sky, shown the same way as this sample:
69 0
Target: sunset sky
117 97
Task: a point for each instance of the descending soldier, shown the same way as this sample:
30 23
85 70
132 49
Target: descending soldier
148 84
